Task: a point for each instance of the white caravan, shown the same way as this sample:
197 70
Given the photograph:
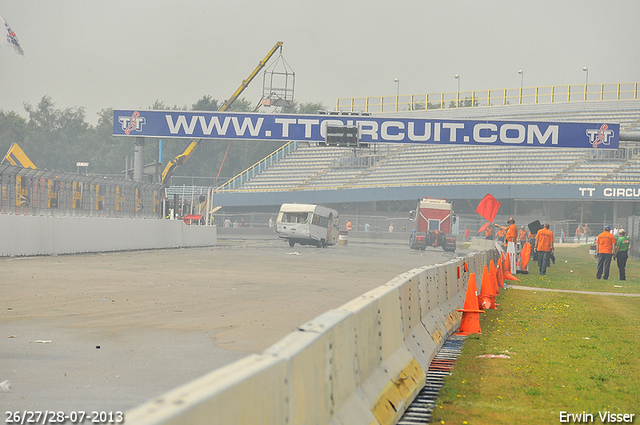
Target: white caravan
307 224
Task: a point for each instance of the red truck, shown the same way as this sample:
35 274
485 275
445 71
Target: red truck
433 219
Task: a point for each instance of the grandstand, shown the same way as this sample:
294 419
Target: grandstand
311 168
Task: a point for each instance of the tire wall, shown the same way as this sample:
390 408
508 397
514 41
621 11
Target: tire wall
362 363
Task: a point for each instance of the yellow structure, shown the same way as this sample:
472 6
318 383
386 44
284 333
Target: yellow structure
493 97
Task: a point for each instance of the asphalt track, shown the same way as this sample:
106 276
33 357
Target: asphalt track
106 332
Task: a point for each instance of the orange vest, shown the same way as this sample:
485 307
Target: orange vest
512 233
605 242
544 237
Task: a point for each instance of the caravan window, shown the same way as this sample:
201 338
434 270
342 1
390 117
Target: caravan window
318 220
294 217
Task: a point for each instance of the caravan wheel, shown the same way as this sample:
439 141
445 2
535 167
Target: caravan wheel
291 243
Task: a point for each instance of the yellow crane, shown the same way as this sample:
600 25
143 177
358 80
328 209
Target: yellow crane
16 156
193 145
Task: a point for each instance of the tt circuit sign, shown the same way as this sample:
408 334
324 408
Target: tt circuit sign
609 192
312 128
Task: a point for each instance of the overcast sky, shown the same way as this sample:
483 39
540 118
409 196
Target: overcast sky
127 54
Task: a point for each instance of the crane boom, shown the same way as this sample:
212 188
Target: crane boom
245 83
16 156
193 145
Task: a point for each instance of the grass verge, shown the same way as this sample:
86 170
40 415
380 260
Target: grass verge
568 352
576 269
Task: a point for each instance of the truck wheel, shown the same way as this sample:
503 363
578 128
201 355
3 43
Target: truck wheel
320 243
291 243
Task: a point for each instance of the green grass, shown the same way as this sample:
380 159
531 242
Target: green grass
576 269
569 352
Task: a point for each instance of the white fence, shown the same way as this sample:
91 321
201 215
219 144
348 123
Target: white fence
39 235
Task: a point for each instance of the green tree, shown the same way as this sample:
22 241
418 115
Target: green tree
304 108
206 103
464 103
55 137
106 154
12 130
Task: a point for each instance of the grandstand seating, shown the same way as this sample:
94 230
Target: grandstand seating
316 167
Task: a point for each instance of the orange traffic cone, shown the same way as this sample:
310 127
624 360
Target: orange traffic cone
508 276
500 273
492 276
470 322
525 255
486 298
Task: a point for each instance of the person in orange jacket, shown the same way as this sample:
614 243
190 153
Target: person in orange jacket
605 241
522 236
510 231
544 246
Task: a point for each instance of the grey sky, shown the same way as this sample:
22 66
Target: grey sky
127 54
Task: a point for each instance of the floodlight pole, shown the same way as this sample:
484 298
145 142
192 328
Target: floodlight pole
397 81
521 84
586 81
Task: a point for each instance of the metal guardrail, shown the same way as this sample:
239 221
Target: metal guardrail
26 191
492 97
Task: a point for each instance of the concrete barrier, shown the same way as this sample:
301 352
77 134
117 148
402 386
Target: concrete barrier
361 363
40 235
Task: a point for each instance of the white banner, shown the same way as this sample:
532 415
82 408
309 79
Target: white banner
8 37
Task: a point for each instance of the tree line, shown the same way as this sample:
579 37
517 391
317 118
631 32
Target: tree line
56 139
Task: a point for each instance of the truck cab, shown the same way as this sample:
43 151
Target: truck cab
432 225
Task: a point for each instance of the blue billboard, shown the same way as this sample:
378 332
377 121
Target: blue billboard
312 128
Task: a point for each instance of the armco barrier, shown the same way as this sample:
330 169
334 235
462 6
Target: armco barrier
361 363
39 235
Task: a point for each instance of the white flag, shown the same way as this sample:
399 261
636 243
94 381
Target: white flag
8 37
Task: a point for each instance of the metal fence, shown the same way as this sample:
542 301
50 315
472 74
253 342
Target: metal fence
633 231
28 191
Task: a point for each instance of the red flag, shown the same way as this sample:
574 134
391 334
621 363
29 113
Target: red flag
488 207
484 227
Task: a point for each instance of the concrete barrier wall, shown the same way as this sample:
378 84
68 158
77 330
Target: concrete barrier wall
38 235
361 363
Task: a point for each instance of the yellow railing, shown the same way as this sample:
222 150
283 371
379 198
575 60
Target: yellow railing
495 97
258 167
